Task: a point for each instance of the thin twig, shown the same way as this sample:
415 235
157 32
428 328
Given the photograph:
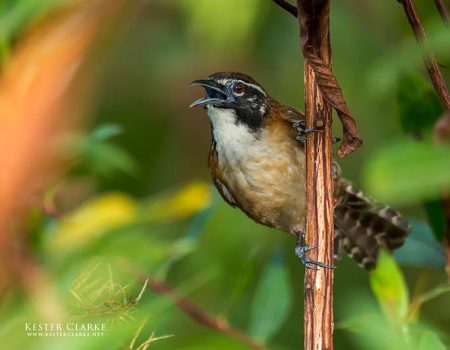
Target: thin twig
202 316
418 301
287 6
441 89
442 9
430 59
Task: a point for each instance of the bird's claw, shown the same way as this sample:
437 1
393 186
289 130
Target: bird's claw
301 250
303 132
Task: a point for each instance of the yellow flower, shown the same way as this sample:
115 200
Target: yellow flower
191 199
95 217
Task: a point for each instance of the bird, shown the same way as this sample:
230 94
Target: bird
257 163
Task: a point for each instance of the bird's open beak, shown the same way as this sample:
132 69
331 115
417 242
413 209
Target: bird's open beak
215 95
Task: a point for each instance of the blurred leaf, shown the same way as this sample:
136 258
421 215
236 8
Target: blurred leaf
430 341
100 156
218 26
105 158
243 277
418 105
421 248
106 131
367 326
419 108
34 222
272 301
179 250
408 171
198 222
389 288
384 74
425 297
182 204
40 94
436 217
16 16
92 219
139 248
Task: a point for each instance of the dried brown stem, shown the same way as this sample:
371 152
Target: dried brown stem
440 86
326 80
315 39
442 9
287 6
430 59
202 316
310 16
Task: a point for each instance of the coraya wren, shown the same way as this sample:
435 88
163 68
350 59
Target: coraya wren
257 163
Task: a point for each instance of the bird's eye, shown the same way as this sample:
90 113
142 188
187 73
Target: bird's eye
239 88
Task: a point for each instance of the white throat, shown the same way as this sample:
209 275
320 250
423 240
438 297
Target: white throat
234 140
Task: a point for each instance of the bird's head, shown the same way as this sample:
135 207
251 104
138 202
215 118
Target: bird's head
237 94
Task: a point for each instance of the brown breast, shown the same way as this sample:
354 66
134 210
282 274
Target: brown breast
266 179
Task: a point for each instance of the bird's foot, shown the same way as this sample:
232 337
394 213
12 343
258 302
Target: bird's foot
301 250
303 132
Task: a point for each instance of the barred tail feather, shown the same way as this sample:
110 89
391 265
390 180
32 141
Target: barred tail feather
363 226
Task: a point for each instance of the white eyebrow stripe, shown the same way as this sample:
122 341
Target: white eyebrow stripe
225 81
253 86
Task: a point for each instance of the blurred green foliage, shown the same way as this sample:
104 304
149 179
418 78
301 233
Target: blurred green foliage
389 288
406 171
274 281
17 16
418 105
136 198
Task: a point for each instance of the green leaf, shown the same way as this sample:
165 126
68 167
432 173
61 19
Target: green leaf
430 341
389 288
272 301
408 171
228 31
106 131
104 158
383 74
96 154
421 248
418 104
436 218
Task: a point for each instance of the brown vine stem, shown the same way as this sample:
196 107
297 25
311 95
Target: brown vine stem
318 291
323 74
322 92
287 6
441 89
430 59
201 316
442 9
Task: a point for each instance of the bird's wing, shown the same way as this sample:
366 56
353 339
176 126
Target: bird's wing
221 187
292 115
